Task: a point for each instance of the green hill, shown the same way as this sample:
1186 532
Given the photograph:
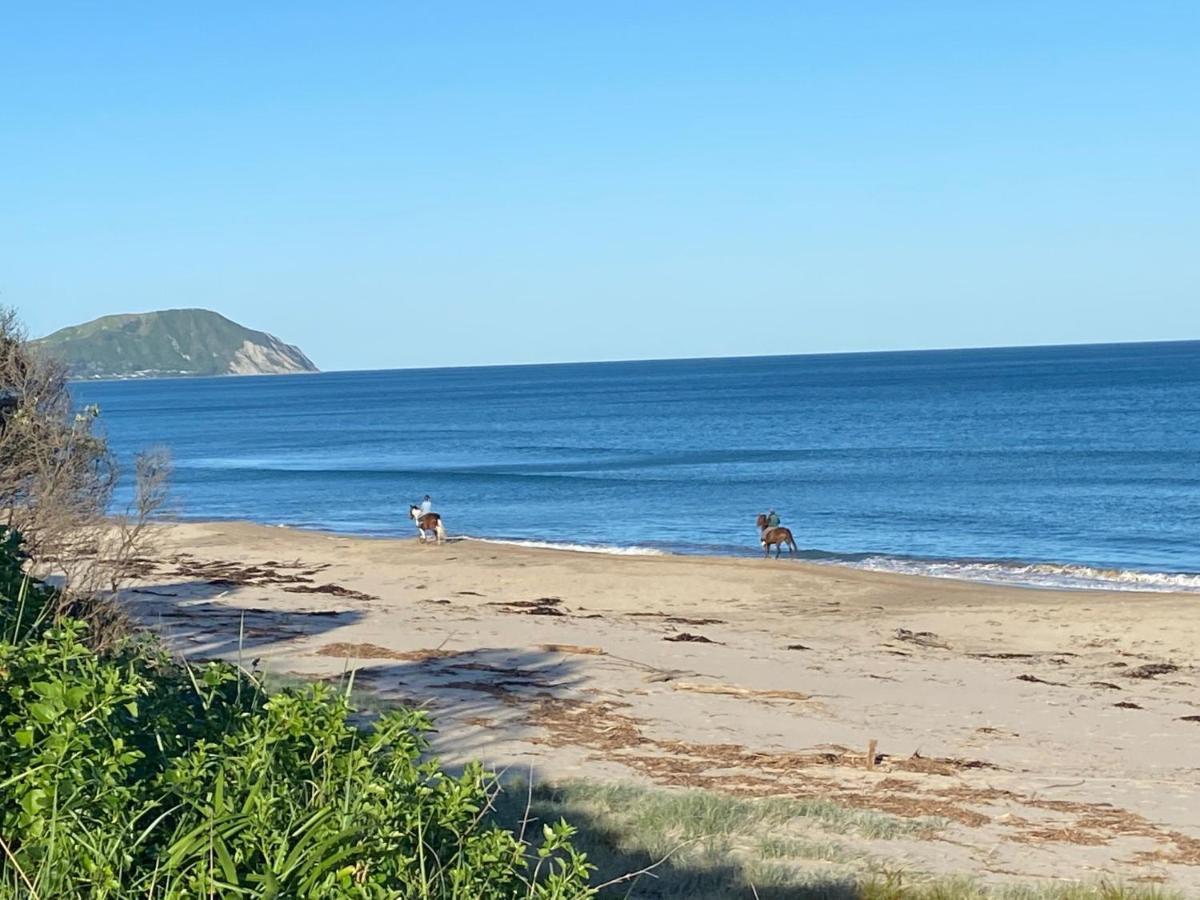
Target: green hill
171 342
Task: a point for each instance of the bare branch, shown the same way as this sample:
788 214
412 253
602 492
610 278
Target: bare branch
57 479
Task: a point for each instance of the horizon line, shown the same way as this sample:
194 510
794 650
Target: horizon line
735 356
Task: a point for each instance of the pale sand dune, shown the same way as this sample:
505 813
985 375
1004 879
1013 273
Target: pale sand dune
572 664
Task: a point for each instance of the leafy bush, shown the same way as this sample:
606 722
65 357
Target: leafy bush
127 775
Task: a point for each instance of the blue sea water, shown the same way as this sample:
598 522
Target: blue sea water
1075 466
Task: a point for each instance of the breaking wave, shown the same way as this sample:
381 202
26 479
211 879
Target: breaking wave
608 549
1045 575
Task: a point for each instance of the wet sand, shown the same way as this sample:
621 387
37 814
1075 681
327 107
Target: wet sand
1055 731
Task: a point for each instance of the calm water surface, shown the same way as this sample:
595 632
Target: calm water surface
1077 466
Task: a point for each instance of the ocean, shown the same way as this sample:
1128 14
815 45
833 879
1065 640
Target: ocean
1066 466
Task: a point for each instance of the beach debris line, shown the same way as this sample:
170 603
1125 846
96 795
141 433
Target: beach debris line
604 725
989 729
658 676
572 648
921 638
539 606
1033 679
735 691
688 637
678 620
229 575
1150 670
937 765
335 589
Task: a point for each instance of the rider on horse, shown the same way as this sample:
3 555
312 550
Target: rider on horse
772 534
427 521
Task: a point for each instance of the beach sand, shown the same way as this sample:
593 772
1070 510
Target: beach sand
1056 732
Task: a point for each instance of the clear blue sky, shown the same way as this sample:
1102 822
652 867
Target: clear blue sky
394 185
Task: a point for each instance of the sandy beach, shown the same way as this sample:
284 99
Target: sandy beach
1054 731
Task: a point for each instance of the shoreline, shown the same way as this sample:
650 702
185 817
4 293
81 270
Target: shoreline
1115 579
1070 577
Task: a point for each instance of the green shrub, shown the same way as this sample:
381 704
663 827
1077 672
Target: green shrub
24 603
127 775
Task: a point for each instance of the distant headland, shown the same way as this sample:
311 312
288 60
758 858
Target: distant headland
171 342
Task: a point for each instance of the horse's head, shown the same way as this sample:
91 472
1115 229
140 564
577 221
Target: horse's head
761 521
414 512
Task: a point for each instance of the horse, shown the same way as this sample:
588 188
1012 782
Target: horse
777 536
427 522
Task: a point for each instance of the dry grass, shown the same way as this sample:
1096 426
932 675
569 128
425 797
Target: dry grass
718 846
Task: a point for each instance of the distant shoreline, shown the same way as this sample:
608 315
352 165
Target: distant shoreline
186 376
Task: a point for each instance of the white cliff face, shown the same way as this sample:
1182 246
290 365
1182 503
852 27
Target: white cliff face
272 358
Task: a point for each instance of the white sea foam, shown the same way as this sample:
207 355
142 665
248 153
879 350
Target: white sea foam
1045 575
1041 575
609 549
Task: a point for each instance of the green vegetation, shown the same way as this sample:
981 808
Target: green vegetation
127 775
170 342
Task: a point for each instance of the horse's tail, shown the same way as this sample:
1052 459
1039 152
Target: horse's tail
440 530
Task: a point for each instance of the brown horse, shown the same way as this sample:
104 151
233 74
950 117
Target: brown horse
429 522
777 537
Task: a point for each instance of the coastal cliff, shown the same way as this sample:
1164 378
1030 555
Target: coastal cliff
173 342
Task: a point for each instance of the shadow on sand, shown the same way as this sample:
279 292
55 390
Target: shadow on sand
188 617
496 691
